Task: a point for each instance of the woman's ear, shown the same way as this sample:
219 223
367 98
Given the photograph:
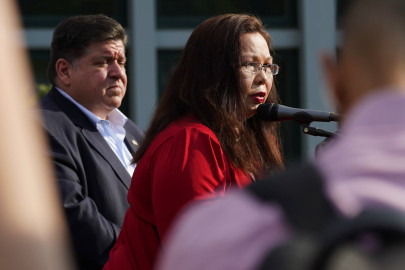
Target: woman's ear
63 70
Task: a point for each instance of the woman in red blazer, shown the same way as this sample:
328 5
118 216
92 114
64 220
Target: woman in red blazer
204 137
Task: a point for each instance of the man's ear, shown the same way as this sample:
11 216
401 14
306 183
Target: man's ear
333 78
63 70
330 71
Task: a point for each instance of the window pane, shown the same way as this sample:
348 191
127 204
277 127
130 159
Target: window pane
48 13
167 62
287 83
342 6
287 86
39 63
188 14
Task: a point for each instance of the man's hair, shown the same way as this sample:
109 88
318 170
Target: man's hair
207 83
376 28
73 35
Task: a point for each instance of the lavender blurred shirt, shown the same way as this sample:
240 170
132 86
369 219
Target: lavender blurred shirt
364 167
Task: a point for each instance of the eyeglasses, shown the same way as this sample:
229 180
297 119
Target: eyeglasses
254 68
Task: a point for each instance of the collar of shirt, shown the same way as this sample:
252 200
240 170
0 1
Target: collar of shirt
116 116
112 131
366 162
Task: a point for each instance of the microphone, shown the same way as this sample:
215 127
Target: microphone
276 112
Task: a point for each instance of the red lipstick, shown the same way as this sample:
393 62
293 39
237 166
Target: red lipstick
259 97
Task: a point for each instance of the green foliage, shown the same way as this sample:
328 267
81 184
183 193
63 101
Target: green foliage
43 89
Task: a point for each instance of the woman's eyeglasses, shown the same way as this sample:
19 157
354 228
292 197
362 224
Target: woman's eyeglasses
254 68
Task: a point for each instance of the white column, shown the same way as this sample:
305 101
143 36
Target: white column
143 76
318 26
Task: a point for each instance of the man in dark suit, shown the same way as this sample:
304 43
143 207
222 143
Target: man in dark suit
91 141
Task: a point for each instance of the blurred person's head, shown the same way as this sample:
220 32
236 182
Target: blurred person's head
372 56
225 72
88 61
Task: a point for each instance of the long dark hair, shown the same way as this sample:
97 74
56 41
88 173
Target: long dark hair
206 83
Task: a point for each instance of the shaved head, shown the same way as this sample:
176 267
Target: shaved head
375 32
372 55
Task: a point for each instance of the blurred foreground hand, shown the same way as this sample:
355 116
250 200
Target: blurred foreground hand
32 227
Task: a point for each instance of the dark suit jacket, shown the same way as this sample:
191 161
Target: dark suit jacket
92 180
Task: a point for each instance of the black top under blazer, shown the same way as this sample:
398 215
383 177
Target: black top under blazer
92 180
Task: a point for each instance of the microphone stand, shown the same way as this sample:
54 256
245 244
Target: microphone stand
314 131
270 112
305 119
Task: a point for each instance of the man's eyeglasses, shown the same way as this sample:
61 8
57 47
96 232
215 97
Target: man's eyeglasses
254 68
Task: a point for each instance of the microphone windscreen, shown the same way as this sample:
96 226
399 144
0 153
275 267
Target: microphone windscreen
267 111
